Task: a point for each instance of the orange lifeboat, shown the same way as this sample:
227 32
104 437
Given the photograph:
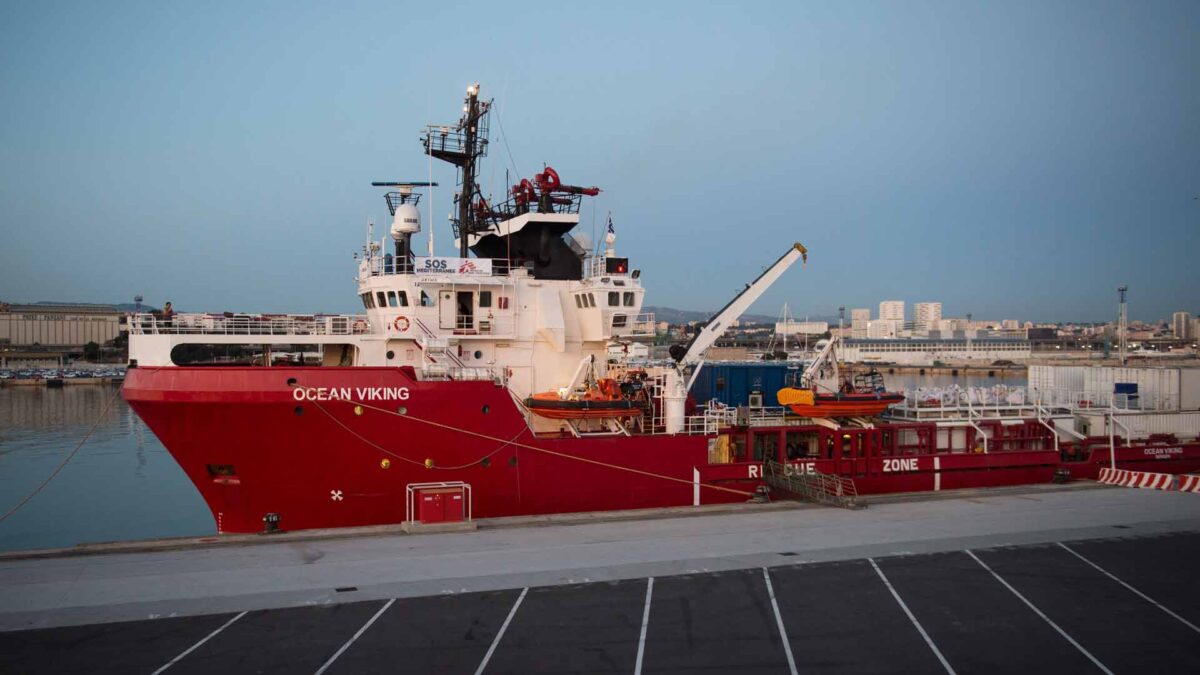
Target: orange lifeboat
600 402
808 403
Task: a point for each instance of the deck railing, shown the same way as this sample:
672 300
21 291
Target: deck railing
249 324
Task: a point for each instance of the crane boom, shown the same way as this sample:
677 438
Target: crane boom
711 331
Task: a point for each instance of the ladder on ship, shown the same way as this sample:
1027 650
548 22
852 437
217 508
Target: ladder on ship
813 486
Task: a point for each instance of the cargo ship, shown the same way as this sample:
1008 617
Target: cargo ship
490 379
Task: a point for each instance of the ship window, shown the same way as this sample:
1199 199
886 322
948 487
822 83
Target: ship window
503 301
381 299
591 300
217 470
485 298
579 301
629 299
403 298
392 299
619 320
614 299
366 302
426 300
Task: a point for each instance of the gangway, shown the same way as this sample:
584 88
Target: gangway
813 486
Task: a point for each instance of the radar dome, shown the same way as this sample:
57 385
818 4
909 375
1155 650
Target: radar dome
406 221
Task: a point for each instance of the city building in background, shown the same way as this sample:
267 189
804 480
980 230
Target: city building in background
891 310
791 327
927 315
47 333
1181 325
859 318
921 351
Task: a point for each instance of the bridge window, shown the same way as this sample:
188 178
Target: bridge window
591 300
391 295
366 298
579 301
381 298
614 299
619 321
629 299
485 298
403 298
426 300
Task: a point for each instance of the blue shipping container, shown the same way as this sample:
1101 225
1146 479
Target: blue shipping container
732 383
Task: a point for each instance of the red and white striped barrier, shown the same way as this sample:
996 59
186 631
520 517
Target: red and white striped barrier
1189 483
1138 479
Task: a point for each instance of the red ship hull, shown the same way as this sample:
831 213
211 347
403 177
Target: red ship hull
260 440
337 447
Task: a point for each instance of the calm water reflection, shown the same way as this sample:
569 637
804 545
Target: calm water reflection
122 484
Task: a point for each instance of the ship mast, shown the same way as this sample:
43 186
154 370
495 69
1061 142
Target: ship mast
463 146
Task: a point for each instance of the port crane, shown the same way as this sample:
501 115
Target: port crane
692 355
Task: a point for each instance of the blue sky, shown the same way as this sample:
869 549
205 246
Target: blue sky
1010 159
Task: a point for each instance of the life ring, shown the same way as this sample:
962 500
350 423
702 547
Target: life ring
360 326
401 324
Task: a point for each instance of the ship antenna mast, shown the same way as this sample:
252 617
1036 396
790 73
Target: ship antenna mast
463 146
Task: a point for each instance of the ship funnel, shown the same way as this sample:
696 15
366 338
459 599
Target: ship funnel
406 221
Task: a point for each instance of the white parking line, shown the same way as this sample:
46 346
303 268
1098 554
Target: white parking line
1140 594
787 645
637 668
197 645
928 640
511 613
1045 618
354 637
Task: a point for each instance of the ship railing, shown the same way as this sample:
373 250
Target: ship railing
1080 401
641 325
814 486
249 324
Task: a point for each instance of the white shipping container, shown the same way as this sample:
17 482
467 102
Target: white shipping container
1157 388
1066 378
1189 388
1182 425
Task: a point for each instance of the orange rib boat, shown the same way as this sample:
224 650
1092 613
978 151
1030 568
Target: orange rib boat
603 401
807 403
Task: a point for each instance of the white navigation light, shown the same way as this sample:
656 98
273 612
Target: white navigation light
471 90
406 221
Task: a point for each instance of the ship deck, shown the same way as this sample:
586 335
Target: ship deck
1038 577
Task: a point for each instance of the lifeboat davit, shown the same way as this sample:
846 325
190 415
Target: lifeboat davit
808 403
603 401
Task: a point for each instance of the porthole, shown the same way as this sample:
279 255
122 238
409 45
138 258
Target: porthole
391 355
401 410
486 409
485 462
299 410
291 381
478 354
512 461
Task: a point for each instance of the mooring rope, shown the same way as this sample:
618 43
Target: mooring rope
31 495
512 442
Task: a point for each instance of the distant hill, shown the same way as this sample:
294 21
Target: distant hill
677 316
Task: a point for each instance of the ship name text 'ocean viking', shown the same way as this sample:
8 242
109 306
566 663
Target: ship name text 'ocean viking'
344 393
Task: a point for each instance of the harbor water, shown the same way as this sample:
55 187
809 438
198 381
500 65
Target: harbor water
122 484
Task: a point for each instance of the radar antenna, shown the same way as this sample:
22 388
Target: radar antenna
463 145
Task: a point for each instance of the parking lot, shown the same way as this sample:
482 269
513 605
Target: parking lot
1108 605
